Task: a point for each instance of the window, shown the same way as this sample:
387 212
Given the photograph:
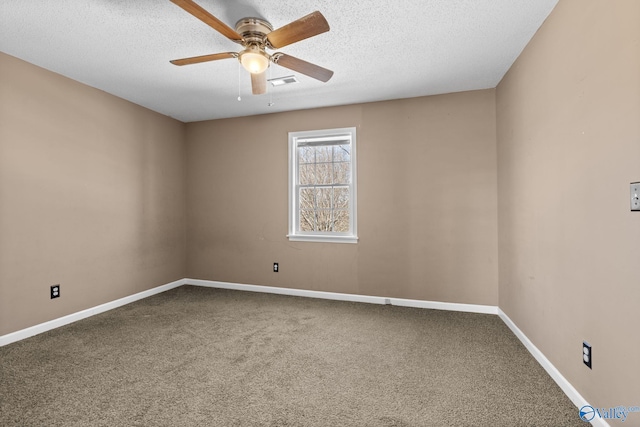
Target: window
322 186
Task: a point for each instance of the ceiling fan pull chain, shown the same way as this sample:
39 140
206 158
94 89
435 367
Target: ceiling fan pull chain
239 79
270 104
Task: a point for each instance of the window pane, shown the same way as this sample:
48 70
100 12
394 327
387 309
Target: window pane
307 220
342 153
324 198
306 155
341 221
306 174
324 220
341 198
308 198
323 154
324 174
342 173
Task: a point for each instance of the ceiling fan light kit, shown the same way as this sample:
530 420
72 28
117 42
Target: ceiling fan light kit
254 60
256 35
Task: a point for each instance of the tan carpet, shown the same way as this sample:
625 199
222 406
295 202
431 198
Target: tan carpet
208 357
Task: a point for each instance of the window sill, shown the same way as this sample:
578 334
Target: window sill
322 238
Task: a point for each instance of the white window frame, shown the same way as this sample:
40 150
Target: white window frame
295 138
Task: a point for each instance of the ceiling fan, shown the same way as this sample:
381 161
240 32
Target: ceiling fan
256 35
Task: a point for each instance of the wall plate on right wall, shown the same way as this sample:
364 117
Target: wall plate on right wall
586 354
635 196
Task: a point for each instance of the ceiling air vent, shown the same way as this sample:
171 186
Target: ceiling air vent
280 81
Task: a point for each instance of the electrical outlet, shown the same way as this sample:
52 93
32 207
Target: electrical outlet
635 196
55 291
586 354
275 267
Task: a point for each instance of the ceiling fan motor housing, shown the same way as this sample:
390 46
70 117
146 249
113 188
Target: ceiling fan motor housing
254 30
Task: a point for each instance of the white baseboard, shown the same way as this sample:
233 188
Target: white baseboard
435 305
74 317
449 306
286 291
562 382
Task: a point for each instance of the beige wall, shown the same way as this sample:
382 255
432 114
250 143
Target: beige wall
91 196
568 146
427 208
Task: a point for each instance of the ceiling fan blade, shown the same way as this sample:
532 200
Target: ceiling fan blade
204 58
259 83
209 19
305 27
304 67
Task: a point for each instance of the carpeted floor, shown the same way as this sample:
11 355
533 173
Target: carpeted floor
208 357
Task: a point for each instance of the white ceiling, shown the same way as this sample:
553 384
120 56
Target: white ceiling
378 49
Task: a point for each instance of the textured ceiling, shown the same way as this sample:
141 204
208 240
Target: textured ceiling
378 49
